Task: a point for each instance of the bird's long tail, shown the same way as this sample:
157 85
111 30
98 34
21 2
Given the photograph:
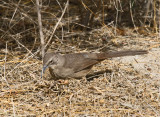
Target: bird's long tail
121 53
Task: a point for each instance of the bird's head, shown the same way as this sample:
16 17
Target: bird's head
50 60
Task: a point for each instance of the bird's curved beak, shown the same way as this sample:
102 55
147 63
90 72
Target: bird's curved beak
43 70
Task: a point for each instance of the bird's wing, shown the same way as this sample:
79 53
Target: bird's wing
79 61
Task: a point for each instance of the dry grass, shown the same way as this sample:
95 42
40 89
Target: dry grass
132 88
126 91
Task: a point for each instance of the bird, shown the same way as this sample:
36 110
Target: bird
78 65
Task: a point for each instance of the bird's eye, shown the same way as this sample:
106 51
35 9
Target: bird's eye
52 62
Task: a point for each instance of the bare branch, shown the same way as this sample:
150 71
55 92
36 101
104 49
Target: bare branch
40 27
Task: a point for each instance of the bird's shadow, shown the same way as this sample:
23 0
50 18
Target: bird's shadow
91 76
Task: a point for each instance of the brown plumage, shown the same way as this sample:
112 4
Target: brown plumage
77 65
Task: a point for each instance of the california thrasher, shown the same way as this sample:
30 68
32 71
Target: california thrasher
77 65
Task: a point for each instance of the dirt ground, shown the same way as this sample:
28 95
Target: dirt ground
131 88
